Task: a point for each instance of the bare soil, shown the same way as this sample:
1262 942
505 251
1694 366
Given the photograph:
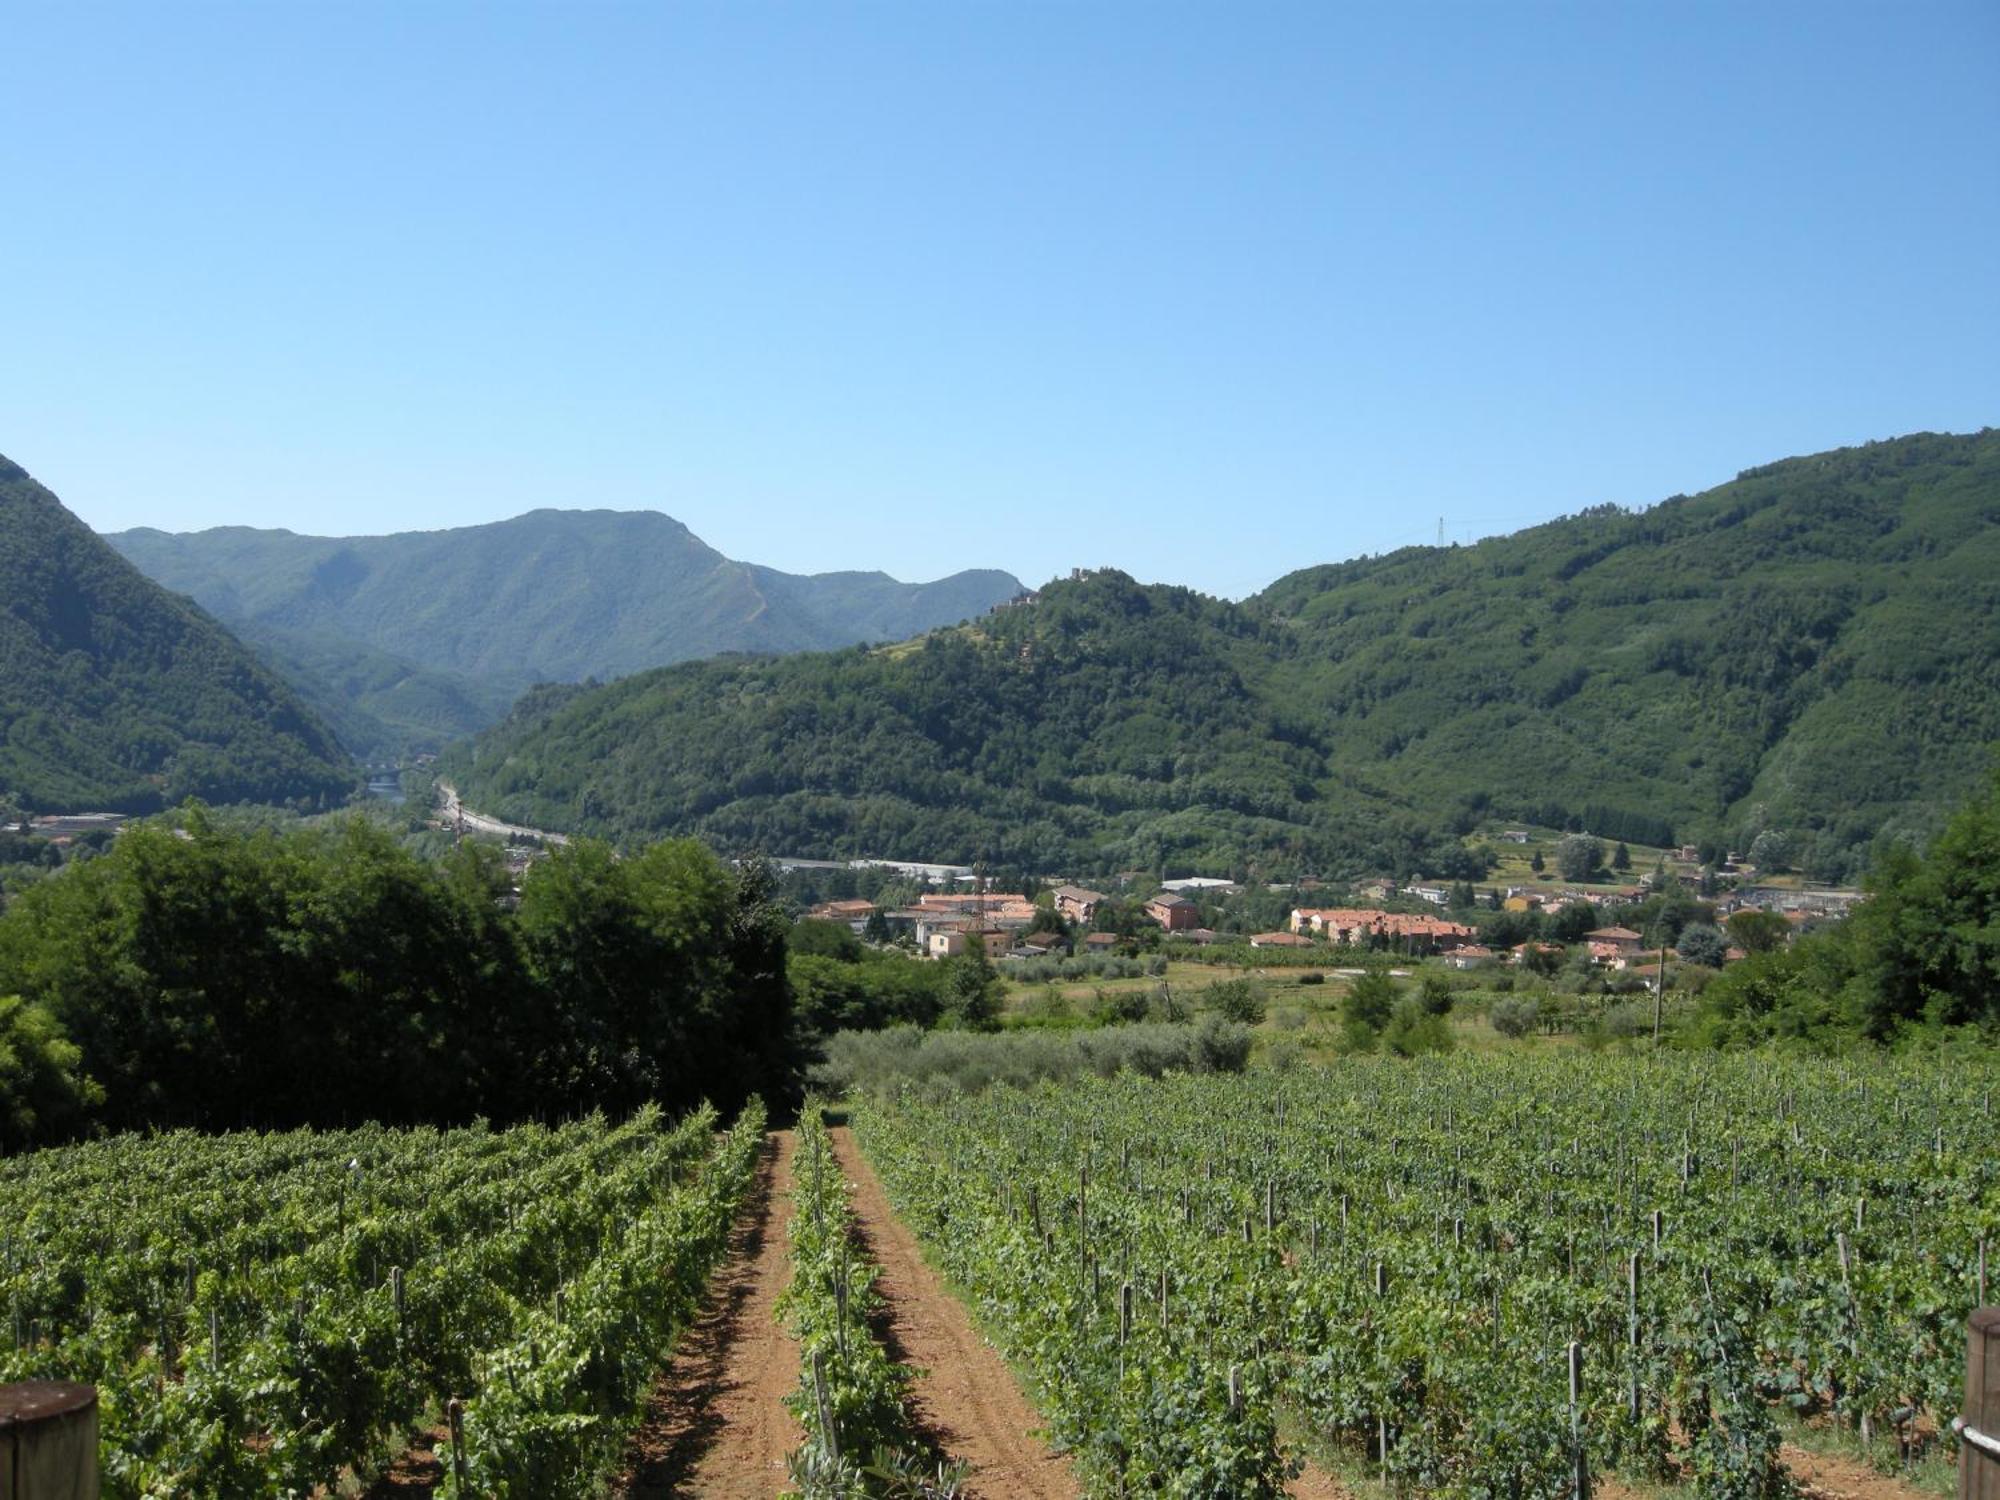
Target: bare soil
716 1426
1316 1484
965 1401
1824 1476
416 1470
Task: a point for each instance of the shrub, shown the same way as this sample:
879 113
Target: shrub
1236 1000
1047 1006
1414 1029
1515 1017
941 1063
1283 1055
1220 1046
1357 1036
1118 1007
1633 1018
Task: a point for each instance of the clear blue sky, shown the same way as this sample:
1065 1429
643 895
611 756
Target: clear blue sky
1204 292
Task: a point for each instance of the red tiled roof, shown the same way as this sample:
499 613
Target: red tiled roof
1384 923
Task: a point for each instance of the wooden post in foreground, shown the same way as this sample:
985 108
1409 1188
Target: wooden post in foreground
1582 1482
1979 1424
48 1441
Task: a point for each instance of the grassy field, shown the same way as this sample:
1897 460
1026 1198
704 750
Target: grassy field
1516 861
1303 1021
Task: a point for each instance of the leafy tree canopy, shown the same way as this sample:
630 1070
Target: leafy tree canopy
216 978
1922 953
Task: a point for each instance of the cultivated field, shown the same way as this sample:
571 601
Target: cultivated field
1471 1275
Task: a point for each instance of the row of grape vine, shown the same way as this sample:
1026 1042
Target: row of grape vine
853 1399
268 1314
1401 1255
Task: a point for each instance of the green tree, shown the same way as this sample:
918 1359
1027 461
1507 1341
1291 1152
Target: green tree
1536 862
827 939
214 977
972 993
1756 931
1578 856
1369 1002
1573 921
1414 1030
1772 850
1924 951
1048 920
1703 943
1436 994
44 1095
1621 858
1544 959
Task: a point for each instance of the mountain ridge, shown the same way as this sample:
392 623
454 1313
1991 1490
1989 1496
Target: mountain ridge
1810 650
550 595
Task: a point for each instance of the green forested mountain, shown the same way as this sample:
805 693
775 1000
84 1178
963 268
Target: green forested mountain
1811 650
381 707
421 636
1814 647
114 694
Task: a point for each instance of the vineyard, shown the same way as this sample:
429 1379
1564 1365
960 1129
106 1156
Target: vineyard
270 1315
853 1399
1506 1278
1474 1276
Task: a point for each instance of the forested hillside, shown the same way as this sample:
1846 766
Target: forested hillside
381 706
1812 650
415 638
116 695
1106 716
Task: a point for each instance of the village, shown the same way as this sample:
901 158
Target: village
1416 920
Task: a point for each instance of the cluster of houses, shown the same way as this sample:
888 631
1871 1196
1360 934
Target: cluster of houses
1614 948
942 925
1362 927
945 925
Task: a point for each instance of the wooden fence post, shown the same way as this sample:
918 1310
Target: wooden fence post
824 1400
1582 1481
1979 1425
48 1441
454 1416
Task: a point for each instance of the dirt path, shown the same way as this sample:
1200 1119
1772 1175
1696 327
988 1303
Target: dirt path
1316 1484
1840 1477
965 1400
717 1426
1820 1477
